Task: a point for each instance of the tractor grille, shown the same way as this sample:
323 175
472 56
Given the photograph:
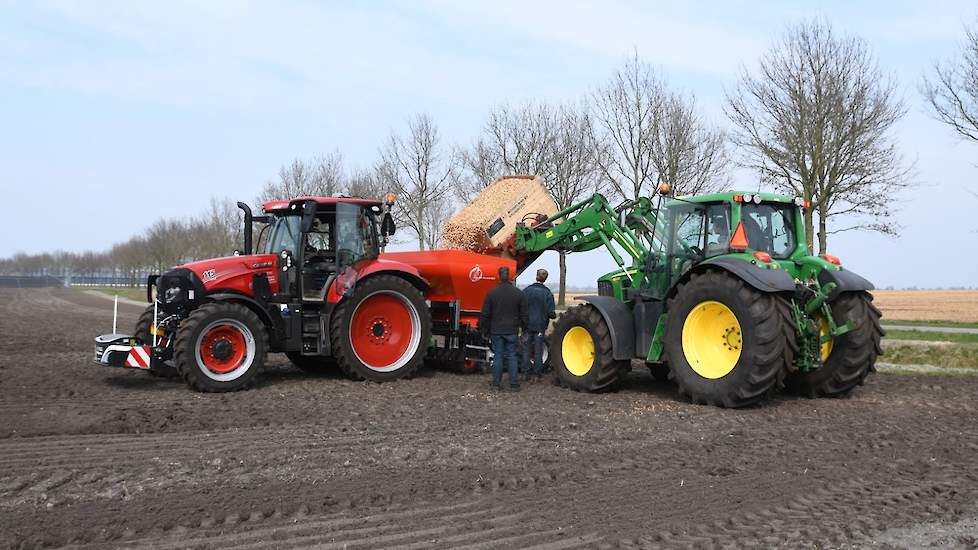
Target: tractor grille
604 288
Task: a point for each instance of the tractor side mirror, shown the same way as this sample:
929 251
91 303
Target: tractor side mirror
387 226
308 216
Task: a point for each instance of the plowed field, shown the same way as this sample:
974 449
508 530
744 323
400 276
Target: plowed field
99 457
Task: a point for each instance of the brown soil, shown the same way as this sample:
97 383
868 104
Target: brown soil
100 457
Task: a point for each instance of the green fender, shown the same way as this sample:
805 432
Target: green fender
761 278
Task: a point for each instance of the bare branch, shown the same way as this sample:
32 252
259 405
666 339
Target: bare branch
815 118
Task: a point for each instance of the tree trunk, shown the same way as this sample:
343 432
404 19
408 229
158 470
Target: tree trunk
562 291
809 230
422 245
822 235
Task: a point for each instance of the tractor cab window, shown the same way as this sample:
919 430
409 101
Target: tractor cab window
700 230
717 230
686 237
697 231
770 228
283 234
318 239
689 230
356 233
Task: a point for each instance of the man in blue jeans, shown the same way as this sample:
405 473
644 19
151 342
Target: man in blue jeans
503 315
540 306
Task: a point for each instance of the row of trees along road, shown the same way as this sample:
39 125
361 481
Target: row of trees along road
814 117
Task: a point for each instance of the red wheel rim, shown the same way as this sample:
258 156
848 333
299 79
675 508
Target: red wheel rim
384 331
223 349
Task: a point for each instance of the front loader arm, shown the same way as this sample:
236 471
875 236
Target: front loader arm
591 224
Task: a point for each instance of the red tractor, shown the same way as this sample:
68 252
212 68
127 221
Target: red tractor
320 289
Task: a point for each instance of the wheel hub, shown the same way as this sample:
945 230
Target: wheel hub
379 331
221 350
731 338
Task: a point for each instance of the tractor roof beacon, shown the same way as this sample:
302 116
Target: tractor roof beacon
720 295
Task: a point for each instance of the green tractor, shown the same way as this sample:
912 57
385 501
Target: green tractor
721 296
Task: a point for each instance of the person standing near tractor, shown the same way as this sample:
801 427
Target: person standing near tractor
504 313
541 309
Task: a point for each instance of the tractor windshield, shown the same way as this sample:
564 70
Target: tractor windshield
283 234
770 228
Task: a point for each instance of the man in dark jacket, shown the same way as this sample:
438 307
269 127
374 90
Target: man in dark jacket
503 315
540 303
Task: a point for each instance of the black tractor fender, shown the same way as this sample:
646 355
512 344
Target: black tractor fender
249 302
761 278
620 321
415 279
845 281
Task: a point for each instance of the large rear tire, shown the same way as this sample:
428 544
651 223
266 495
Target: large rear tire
220 347
381 332
850 357
142 331
726 343
582 352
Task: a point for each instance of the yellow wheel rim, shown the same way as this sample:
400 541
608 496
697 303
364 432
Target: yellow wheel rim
826 347
712 340
577 351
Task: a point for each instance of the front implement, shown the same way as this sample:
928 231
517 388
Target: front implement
123 350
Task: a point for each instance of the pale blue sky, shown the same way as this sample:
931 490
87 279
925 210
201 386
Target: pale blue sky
128 111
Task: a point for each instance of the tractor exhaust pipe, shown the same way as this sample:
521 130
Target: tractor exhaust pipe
247 227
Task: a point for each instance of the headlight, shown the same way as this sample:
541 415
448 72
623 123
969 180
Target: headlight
172 294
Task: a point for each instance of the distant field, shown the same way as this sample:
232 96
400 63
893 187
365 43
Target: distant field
137 294
928 305
959 306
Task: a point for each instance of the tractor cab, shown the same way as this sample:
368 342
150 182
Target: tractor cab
759 227
318 240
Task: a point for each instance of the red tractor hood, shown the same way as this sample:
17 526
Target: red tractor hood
235 272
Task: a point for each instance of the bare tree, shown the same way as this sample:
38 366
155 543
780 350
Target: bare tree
815 120
481 165
687 152
421 172
575 168
626 109
952 91
513 141
652 135
322 176
365 184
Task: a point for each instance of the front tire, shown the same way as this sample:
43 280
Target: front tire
381 332
726 343
582 354
220 347
851 356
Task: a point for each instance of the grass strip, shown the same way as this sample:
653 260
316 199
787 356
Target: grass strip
932 336
955 324
954 356
137 294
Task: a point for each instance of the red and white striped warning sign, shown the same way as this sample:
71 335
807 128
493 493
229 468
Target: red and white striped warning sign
138 357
